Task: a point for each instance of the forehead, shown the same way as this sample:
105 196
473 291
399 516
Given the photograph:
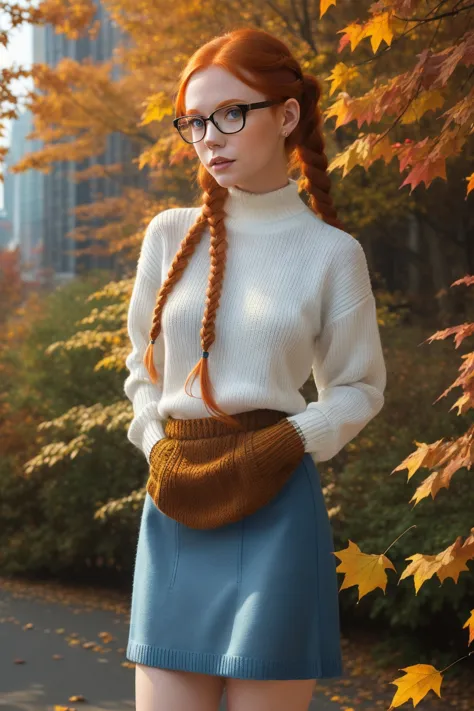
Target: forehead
210 88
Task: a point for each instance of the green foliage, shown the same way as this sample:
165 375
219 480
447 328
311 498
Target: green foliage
373 504
73 458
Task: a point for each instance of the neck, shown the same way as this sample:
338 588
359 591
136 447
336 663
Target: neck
264 207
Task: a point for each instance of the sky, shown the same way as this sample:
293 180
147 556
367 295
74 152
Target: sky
19 51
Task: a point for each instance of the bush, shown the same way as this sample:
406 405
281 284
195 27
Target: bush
373 506
47 522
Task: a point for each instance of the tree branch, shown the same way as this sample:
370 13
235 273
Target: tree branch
397 39
424 20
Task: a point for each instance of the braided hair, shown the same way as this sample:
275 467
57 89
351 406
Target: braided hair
264 62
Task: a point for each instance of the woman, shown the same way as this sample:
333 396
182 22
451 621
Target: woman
235 580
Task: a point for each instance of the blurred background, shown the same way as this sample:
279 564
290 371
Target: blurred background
89 155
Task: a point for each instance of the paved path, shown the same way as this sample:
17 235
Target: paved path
88 628
42 681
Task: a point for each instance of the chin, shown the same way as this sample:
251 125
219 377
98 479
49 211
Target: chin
225 180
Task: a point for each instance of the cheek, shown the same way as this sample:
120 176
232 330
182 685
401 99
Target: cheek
255 143
201 152
256 139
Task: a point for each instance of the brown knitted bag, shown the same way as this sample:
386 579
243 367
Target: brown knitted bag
222 475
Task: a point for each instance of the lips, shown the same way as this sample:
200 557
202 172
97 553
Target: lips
218 162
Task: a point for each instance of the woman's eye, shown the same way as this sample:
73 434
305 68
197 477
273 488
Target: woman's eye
236 111
193 122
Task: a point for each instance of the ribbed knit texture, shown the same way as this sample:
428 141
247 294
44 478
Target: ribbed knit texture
296 296
206 475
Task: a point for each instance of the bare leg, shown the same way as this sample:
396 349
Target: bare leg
159 689
270 695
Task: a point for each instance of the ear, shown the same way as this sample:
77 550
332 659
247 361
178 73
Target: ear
291 115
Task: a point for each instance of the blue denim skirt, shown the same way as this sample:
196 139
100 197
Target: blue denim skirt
254 599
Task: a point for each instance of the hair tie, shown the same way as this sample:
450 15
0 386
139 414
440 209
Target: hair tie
205 354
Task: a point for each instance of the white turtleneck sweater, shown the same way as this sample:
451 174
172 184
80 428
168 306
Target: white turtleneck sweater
296 297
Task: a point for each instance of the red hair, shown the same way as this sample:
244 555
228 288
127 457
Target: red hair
265 63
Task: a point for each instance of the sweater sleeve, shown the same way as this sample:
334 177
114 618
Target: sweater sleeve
146 427
348 364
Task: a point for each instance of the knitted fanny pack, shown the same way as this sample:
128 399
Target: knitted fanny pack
205 474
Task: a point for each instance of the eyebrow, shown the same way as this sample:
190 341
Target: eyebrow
222 103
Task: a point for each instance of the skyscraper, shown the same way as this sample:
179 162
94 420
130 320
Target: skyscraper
23 199
54 196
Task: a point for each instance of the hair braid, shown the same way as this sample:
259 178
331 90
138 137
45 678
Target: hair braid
212 214
310 153
175 272
214 197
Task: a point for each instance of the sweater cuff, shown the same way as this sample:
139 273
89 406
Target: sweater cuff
313 427
151 434
277 446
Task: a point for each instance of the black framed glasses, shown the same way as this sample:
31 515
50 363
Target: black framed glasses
227 119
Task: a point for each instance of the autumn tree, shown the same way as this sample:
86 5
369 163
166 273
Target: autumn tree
435 82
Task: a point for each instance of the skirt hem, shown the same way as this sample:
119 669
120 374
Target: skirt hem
233 666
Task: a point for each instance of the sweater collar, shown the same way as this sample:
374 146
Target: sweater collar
264 207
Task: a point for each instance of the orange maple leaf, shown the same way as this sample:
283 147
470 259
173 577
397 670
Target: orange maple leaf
426 455
353 33
446 564
425 172
456 455
470 183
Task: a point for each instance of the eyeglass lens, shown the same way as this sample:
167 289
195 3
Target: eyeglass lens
228 119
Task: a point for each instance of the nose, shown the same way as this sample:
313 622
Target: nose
213 135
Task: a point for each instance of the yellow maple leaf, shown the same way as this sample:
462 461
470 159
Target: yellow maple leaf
341 76
362 151
446 564
470 625
422 567
427 101
428 486
379 28
454 559
367 571
347 160
340 109
453 569
354 32
419 679
427 455
438 480
156 108
324 5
